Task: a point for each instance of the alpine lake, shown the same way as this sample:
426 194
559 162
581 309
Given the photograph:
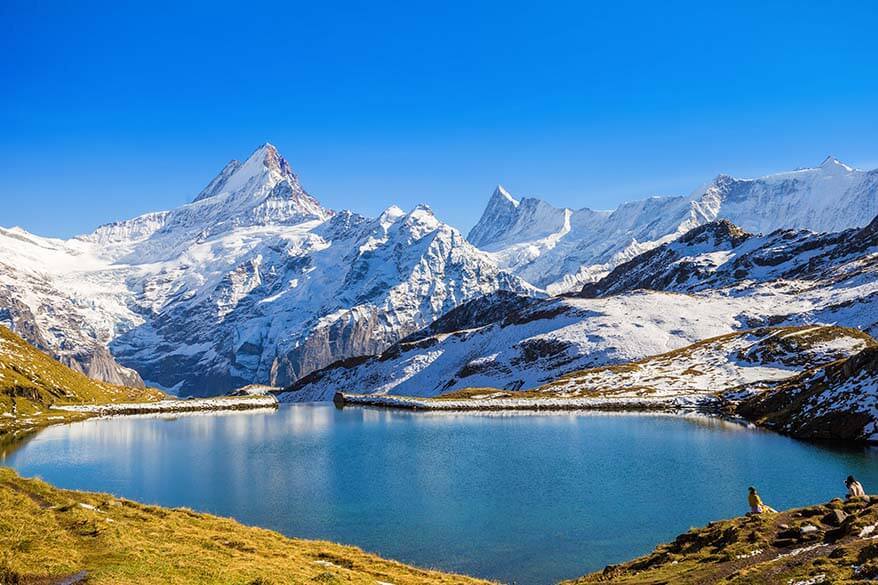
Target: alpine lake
517 497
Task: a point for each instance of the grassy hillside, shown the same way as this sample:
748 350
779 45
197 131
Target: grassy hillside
47 534
31 381
833 543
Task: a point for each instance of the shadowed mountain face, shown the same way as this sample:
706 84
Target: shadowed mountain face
720 254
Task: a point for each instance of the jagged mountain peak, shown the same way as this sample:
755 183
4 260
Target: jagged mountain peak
273 160
391 215
830 162
421 221
423 208
261 190
260 172
501 193
507 219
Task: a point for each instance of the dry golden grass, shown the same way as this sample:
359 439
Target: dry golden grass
48 532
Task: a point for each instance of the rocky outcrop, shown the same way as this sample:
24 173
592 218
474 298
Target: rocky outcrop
835 402
100 365
672 266
492 308
829 543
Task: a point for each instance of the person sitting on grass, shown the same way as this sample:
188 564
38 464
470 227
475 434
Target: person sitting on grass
855 488
756 505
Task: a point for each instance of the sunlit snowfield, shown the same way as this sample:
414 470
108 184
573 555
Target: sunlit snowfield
529 498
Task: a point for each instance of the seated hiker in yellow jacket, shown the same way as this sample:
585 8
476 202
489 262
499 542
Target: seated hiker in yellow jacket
756 505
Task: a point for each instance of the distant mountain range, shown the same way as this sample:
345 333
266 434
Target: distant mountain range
561 249
255 281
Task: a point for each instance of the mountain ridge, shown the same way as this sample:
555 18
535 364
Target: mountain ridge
255 281
715 280
560 249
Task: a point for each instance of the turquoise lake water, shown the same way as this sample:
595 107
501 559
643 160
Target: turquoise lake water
530 499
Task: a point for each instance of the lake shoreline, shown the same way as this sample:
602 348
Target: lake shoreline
174 406
706 405
624 571
694 402
21 427
76 536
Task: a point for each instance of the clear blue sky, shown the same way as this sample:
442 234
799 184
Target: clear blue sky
109 110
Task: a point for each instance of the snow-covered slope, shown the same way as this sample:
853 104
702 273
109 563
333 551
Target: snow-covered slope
717 372
65 301
254 281
716 279
720 254
719 364
561 249
526 348
838 401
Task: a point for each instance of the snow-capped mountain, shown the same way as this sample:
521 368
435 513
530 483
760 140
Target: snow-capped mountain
263 190
253 281
562 249
714 280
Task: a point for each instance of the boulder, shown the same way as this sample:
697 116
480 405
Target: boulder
834 518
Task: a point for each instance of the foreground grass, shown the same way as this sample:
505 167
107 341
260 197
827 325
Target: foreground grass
832 543
47 534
